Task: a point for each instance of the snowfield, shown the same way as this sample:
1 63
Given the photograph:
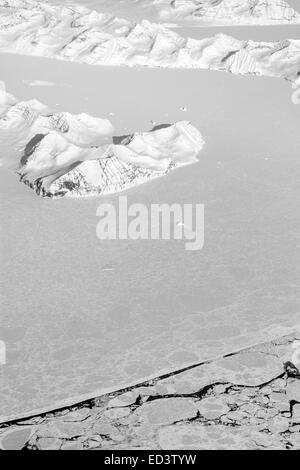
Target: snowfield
82 35
135 94
63 154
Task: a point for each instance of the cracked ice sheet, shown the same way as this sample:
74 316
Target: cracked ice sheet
74 329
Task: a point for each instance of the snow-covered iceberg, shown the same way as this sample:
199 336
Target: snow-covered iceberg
62 154
229 12
82 35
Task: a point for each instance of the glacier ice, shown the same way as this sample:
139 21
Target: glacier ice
61 154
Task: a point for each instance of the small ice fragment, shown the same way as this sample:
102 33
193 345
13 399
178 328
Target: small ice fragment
107 267
183 108
41 83
111 114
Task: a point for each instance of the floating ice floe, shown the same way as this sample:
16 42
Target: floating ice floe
82 35
41 83
62 154
229 12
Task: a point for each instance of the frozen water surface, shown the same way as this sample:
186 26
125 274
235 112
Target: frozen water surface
74 328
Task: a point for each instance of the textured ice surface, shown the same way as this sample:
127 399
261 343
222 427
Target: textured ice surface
61 154
83 35
244 400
